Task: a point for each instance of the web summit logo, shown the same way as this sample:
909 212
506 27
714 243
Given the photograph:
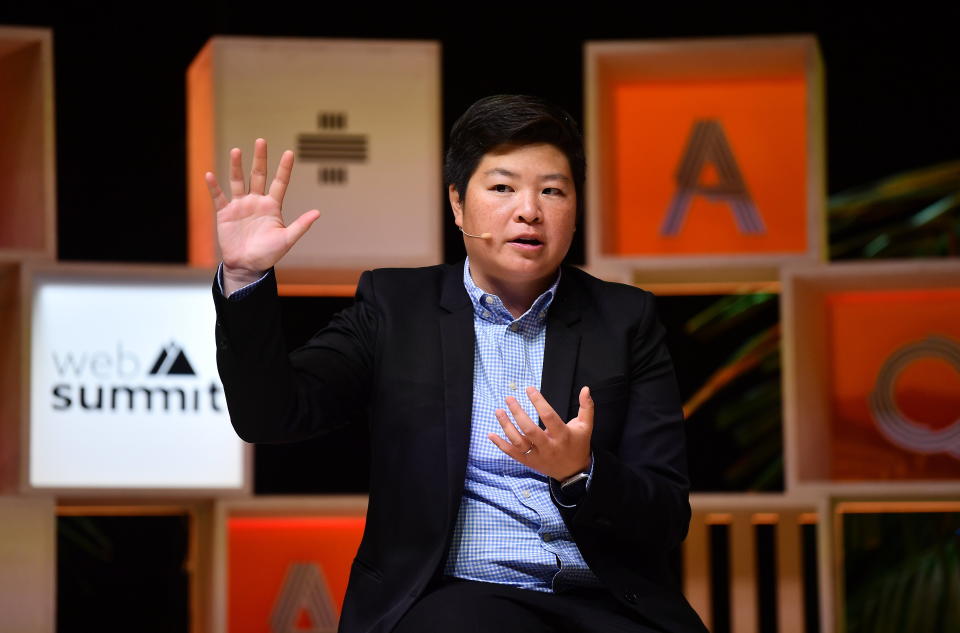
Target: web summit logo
895 426
112 381
172 360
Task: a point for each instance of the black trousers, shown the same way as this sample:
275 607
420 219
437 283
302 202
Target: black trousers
465 606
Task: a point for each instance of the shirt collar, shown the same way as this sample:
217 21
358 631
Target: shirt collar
490 308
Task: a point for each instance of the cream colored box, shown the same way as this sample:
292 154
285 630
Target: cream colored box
363 118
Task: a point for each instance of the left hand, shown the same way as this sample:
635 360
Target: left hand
559 450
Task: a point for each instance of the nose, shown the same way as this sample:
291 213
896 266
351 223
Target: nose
528 209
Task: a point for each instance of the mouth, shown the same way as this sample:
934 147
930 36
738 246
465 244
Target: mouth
526 241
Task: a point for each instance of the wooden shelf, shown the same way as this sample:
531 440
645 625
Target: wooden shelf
647 103
277 510
27 164
325 100
842 326
28 564
12 363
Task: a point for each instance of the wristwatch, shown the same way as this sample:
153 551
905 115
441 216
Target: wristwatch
574 487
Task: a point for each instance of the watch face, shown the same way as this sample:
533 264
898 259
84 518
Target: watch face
573 479
575 486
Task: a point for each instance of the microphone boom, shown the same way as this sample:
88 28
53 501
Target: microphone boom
482 236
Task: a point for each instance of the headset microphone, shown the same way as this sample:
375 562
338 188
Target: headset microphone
482 236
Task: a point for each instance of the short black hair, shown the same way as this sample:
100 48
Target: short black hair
511 120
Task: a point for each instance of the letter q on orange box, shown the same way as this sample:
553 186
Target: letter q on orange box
124 391
894 384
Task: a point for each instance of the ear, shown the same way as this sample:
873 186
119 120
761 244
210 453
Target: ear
457 205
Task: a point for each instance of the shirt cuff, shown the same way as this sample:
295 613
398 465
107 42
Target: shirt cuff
242 292
557 494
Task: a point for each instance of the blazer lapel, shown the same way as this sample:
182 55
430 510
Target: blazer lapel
562 348
457 343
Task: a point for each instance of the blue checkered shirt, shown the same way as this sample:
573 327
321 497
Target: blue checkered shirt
508 530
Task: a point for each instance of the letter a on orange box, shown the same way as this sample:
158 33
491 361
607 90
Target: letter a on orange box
289 574
709 167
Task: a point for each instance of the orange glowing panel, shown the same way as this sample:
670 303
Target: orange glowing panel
708 167
895 384
289 573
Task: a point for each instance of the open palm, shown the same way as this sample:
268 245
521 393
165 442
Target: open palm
250 228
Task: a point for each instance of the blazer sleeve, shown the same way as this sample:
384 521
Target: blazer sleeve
639 491
276 397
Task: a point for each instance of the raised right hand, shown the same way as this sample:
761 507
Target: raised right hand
250 229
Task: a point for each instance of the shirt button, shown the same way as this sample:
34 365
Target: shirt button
513 386
526 494
488 299
547 538
486 314
514 327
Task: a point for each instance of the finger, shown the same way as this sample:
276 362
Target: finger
258 172
511 431
299 226
523 420
585 412
237 188
219 200
551 421
278 188
506 447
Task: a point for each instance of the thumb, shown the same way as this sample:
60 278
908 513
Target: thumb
585 413
299 226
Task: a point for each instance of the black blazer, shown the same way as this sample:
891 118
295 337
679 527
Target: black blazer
403 355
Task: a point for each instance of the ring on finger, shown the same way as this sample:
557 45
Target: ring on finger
529 450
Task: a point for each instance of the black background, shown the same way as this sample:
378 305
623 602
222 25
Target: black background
892 86
892 104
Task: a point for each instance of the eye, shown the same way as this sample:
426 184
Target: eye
553 191
501 188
